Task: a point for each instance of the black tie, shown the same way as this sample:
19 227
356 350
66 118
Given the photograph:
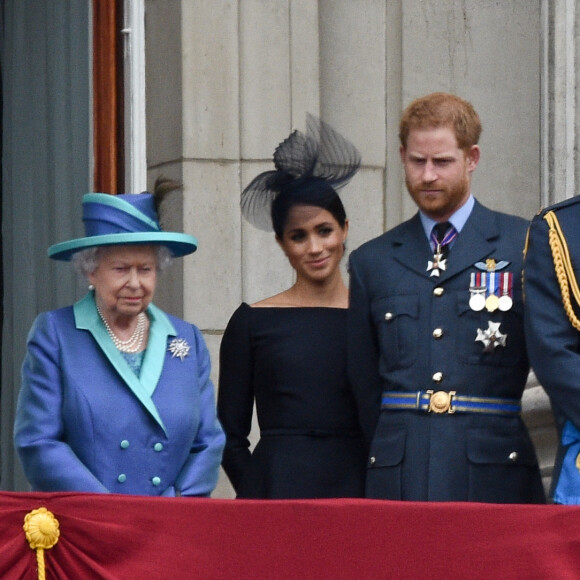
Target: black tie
440 233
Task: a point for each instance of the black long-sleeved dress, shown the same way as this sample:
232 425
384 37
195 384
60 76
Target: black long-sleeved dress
292 362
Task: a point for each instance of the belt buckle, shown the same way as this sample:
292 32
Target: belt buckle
440 402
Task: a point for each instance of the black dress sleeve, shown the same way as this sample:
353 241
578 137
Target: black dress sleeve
236 393
363 354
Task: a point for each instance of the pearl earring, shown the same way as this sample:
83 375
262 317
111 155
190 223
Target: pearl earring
91 287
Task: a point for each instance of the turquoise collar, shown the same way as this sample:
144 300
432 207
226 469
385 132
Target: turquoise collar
143 387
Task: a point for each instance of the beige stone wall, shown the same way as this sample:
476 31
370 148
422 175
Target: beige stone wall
229 79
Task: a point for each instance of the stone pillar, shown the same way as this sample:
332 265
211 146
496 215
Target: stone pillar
561 115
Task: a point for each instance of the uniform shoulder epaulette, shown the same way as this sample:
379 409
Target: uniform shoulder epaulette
563 267
572 201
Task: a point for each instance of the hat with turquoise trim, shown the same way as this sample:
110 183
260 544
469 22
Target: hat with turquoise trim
124 219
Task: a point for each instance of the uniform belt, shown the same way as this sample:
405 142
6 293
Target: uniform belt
449 402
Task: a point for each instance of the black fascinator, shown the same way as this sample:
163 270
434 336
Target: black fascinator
307 164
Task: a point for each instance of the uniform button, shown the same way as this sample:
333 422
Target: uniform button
158 447
438 377
514 456
438 333
388 316
124 444
122 478
156 481
372 460
438 291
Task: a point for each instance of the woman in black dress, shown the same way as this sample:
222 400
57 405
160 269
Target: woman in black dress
288 352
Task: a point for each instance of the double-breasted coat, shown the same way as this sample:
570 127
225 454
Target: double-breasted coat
410 331
86 422
552 339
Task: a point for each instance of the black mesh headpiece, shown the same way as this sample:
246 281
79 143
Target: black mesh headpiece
309 168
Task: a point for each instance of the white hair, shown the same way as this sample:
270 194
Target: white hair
86 261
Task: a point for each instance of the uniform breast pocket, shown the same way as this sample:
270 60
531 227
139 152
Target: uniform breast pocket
508 337
396 321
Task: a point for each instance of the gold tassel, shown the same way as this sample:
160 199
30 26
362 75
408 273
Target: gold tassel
42 532
563 268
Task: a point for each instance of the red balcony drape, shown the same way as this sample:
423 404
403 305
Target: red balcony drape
126 537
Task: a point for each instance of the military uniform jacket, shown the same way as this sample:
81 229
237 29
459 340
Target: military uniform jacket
85 421
554 343
409 331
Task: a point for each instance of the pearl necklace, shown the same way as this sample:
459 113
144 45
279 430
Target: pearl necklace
133 344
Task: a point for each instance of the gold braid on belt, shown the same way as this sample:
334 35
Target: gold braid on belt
563 268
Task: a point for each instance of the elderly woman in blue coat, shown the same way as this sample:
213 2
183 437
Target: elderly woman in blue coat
116 394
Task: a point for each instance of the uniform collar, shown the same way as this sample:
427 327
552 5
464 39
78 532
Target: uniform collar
476 242
457 220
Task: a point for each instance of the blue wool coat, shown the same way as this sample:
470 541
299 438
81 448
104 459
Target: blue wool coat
85 421
553 343
409 331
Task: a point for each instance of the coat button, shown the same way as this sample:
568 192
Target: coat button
372 460
438 377
438 291
158 447
438 333
388 316
514 456
122 478
124 444
156 481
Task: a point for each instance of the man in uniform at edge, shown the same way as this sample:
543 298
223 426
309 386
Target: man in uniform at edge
552 321
436 354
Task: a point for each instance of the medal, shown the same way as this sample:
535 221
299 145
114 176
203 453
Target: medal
438 263
477 302
440 248
491 337
505 303
477 291
506 285
492 301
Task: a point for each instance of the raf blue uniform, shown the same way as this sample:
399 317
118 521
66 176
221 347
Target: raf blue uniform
552 338
411 332
86 422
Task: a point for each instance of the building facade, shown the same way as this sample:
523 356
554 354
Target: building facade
225 82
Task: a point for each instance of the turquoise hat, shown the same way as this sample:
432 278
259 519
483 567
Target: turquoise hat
114 220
